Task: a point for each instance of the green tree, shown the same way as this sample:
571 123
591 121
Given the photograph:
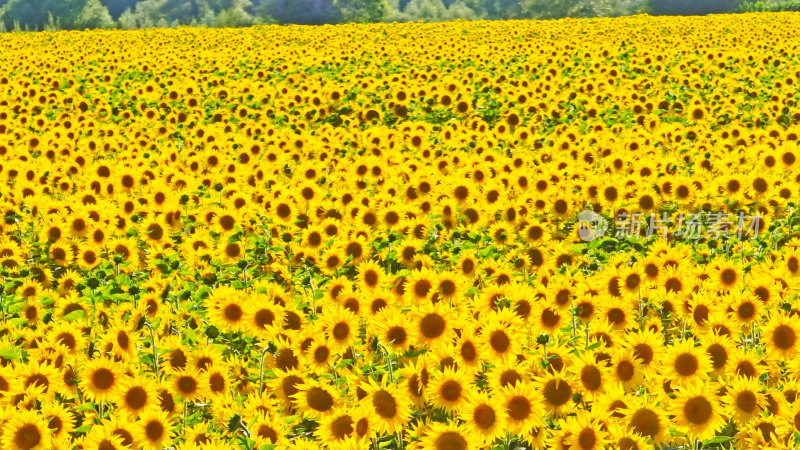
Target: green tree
163 13
687 7
308 12
556 9
231 13
117 7
432 11
361 10
68 14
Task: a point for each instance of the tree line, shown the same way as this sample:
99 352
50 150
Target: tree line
129 14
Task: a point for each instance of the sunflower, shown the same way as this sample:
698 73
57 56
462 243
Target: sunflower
696 411
286 385
483 420
646 419
60 421
103 437
206 358
684 362
394 330
331 260
523 407
781 334
319 356
341 328
26 430
155 430
587 431
388 405
592 375
467 354
316 400
547 319
743 399
744 309
67 336
370 275
336 426
415 379
187 385
440 436
556 392
135 395
626 368
449 389
267 430
101 379
218 382
623 437
120 343
763 431
41 375
419 286
226 309
647 346
745 362
496 339
435 324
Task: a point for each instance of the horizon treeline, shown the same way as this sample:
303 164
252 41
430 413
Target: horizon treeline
33 15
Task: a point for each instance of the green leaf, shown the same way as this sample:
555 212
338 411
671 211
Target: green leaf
89 406
9 353
717 440
74 315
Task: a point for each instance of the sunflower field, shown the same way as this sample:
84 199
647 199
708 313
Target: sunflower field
376 236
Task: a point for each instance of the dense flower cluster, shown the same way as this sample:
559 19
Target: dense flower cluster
366 236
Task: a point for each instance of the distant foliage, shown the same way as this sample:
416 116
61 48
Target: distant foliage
764 6
67 14
129 14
